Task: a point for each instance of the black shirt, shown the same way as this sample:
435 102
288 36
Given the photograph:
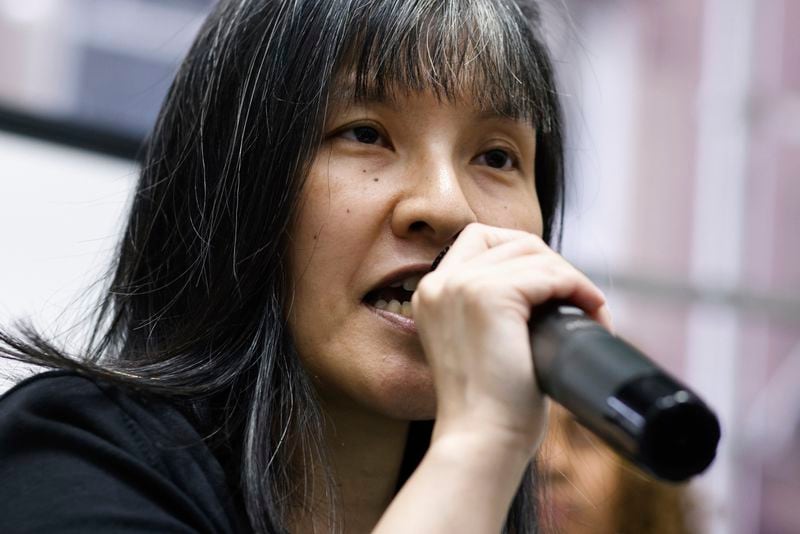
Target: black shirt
79 455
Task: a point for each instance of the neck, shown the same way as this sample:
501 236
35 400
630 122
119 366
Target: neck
365 451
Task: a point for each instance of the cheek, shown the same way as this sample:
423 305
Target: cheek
331 239
326 229
518 210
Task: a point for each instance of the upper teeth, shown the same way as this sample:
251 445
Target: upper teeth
395 306
409 284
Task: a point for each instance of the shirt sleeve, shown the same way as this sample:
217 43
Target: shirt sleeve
72 459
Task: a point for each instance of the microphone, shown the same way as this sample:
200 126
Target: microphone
619 394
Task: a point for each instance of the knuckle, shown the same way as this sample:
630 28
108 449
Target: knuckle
473 293
460 287
556 265
451 287
550 285
427 291
535 242
474 228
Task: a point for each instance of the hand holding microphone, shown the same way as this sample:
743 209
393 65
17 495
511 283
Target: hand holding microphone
613 389
472 316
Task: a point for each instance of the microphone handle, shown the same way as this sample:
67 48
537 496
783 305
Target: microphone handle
619 394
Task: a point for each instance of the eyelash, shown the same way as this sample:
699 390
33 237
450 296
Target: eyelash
354 137
513 158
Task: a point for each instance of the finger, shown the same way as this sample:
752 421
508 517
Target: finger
475 239
573 286
603 316
541 278
525 245
587 295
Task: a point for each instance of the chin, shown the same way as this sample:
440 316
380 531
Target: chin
400 389
407 398
411 409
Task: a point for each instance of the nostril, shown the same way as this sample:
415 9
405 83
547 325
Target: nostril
418 226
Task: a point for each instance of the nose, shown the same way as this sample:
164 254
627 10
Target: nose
434 205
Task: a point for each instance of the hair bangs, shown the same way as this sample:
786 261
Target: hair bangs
477 51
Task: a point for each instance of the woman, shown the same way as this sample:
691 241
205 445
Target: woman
311 160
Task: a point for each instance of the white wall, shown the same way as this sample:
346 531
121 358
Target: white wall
61 211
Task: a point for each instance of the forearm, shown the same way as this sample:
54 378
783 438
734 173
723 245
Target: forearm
464 484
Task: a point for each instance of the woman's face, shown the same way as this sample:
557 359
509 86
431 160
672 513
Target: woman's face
392 184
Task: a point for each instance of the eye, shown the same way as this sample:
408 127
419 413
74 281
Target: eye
364 134
497 159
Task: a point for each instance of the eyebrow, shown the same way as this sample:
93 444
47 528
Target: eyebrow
346 95
494 115
345 92
393 105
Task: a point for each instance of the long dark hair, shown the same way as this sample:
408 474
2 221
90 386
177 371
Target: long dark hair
195 307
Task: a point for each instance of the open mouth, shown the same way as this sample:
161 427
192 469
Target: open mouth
396 296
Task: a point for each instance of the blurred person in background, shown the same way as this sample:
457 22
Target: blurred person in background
588 489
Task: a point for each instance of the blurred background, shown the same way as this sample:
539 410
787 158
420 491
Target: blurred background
683 203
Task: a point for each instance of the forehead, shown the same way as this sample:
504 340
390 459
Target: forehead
482 52
347 95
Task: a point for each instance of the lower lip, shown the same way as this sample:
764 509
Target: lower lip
398 321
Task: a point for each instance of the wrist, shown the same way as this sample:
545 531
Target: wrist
492 432
507 451
465 483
